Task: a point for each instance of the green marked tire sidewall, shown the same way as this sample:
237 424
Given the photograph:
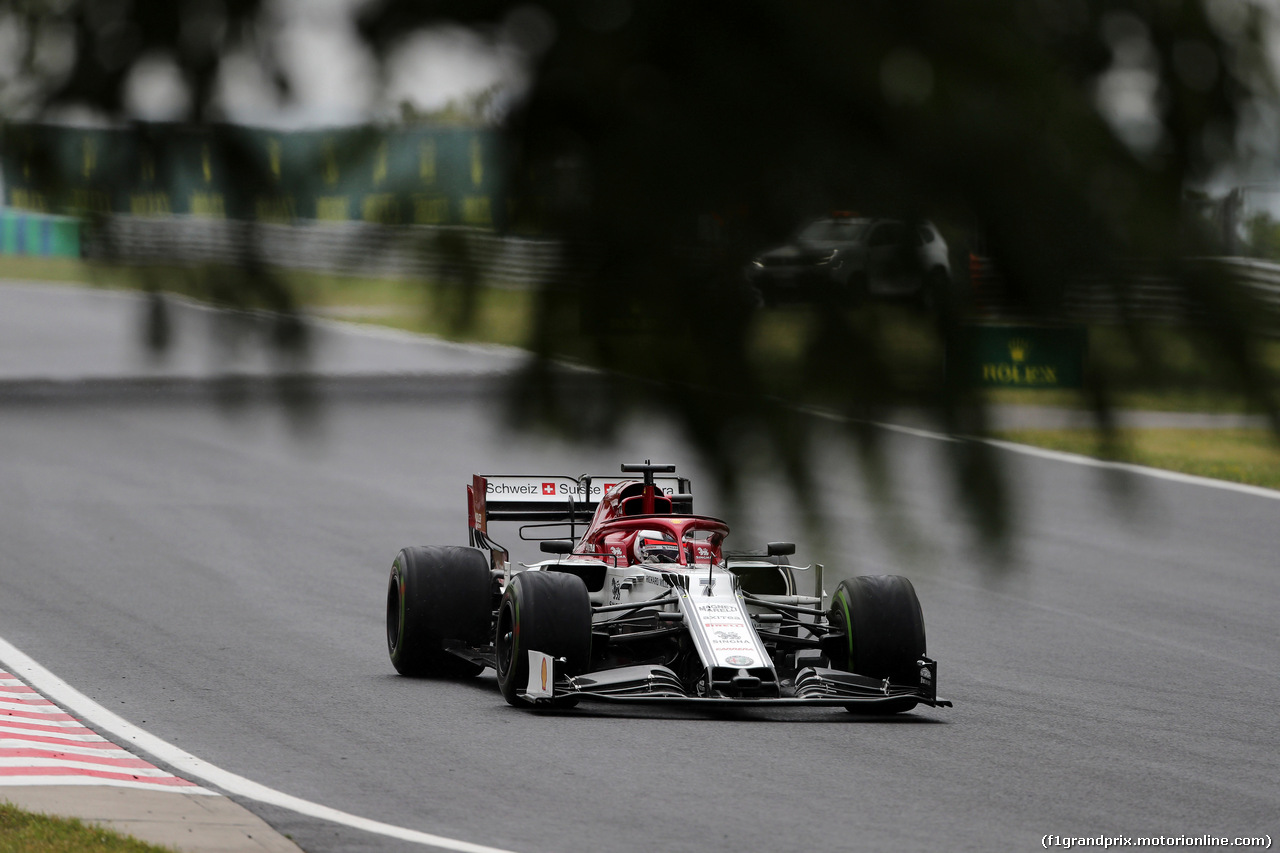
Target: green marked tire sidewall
848 626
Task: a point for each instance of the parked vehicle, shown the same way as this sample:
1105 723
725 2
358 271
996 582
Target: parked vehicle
843 258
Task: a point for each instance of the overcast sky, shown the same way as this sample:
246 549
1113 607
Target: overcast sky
337 82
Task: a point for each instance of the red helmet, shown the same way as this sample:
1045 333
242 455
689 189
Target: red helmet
655 546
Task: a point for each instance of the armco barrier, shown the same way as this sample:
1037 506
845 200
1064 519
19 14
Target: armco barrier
440 253
1145 296
1263 276
39 234
419 251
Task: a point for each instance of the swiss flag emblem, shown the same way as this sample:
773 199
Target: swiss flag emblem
549 489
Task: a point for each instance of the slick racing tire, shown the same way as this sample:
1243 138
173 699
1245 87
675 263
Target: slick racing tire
547 612
884 630
437 594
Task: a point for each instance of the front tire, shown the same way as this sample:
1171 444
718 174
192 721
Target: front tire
437 594
884 630
548 612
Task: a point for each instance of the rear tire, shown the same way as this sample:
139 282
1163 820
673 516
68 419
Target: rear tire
548 612
437 594
884 628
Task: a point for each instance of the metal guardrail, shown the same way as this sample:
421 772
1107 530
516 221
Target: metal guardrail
1263 276
452 252
419 251
1150 297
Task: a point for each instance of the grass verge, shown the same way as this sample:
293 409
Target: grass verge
25 832
1250 456
483 314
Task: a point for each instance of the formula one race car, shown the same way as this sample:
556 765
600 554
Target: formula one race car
647 606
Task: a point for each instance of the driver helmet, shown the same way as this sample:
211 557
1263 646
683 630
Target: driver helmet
656 546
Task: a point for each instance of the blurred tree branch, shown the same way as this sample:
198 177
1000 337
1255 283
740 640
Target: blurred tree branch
666 141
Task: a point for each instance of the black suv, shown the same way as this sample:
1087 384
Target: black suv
846 258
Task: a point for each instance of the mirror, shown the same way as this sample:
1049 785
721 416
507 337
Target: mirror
563 546
781 549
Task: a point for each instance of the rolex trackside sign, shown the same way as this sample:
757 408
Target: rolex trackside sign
1021 356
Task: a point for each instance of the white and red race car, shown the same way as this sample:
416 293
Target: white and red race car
647 606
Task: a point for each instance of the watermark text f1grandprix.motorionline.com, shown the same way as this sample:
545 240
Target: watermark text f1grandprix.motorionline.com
1108 841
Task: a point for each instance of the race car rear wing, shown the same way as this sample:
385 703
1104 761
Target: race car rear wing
548 499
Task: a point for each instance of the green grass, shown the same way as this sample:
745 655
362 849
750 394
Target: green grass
43 269
1249 456
24 832
484 314
911 353
1170 399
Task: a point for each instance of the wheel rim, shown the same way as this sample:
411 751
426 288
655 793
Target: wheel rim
504 639
393 613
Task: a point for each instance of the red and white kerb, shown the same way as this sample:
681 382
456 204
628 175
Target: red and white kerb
40 744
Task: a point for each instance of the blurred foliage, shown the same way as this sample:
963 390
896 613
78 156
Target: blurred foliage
473 110
670 141
1263 236
666 142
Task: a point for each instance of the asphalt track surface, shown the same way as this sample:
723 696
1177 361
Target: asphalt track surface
217 576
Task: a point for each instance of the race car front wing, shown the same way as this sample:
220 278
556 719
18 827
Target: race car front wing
654 684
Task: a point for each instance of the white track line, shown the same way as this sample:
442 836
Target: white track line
1157 473
75 701
1070 458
